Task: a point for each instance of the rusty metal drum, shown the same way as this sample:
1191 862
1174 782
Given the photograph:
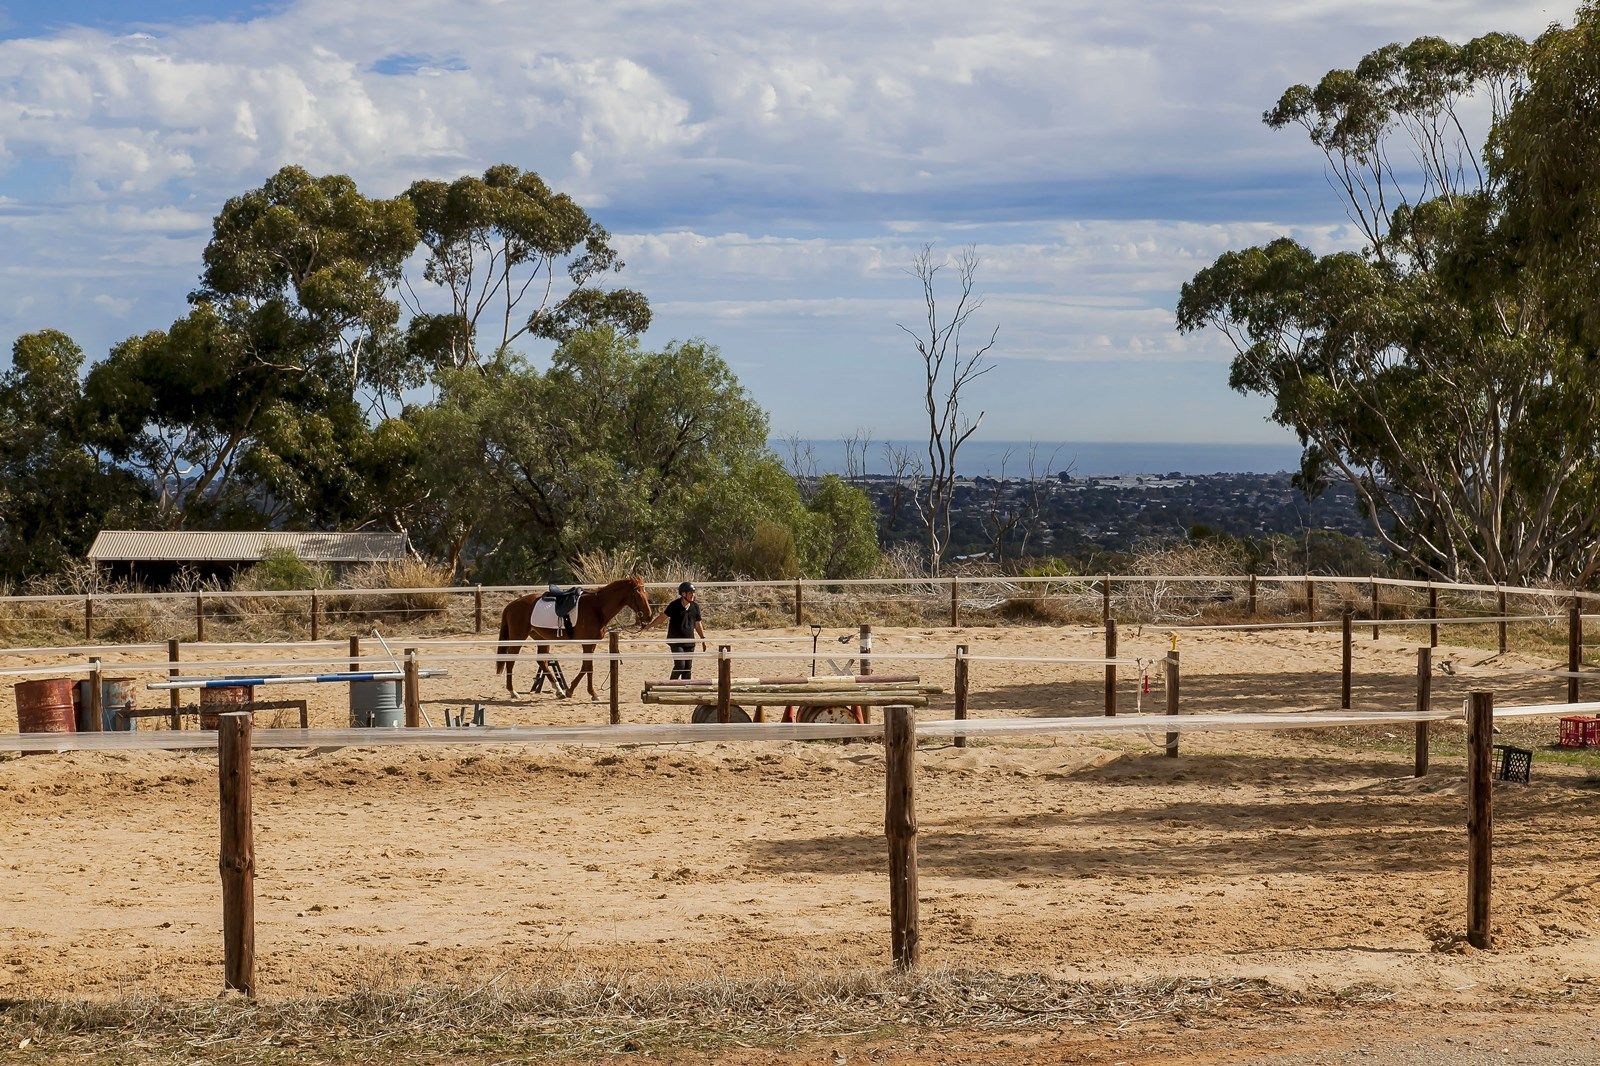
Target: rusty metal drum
117 696
45 706
215 701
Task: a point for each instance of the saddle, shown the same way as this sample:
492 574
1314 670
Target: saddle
557 610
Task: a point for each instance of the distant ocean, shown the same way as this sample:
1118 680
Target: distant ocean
1083 458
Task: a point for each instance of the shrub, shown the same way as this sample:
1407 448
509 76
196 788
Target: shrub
281 570
769 554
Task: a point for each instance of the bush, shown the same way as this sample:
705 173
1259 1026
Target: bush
281 570
769 554
400 574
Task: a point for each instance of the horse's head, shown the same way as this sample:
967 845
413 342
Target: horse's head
639 600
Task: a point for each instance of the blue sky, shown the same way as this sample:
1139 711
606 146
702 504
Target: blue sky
768 169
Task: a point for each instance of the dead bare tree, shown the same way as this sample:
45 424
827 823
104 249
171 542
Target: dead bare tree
905 472
1036 493
857 446
947 373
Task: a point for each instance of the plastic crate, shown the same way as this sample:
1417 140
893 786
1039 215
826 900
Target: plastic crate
1580 731
1516 764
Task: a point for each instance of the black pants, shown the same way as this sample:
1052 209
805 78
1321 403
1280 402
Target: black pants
682 669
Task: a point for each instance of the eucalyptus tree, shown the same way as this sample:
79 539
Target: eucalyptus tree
1427 367
509 258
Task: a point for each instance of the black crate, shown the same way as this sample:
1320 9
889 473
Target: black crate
1515 763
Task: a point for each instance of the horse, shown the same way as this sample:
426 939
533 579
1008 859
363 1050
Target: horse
595 611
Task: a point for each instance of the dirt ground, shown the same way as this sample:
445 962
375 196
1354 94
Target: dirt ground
1310 860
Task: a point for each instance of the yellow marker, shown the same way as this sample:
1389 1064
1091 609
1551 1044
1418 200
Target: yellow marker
1174 637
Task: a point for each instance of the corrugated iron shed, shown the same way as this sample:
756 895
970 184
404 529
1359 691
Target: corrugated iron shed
141 546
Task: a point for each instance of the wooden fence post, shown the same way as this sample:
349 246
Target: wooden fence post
1424 705
900 827
477 608
413 690
199 618
1433 612
355 654
1105 600
88 618
172 696
1501 625
237 859
1172 700
1344 670
724 683
1574 649
1111 668
1311 600
315 626
1480 817
1252 595
955 603
94 708
962 684
614 647
1377 610
864 643
799 604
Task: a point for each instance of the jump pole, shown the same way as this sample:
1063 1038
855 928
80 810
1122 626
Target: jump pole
962 667
237 858
1344 672
1480 818
1111 668
900 827
1172 699
1424 705
614 668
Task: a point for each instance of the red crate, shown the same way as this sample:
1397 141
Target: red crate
1580 731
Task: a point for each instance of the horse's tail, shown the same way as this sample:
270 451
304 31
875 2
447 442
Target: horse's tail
503 649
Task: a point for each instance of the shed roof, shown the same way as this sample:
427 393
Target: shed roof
129 545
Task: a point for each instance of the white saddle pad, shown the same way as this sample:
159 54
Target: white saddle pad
544 615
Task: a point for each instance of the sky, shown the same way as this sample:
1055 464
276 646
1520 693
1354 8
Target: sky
768 170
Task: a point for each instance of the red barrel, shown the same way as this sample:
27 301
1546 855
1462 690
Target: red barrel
220 700
45 706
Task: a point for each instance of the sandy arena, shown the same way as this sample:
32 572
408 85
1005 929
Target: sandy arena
1313 860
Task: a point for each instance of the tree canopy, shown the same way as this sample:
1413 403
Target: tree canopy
1434 368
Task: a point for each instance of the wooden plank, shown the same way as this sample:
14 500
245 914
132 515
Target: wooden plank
1501 625
1344 676
412 684
1111 668
724 683
95 712
775 699
1574 648
237 858
615 669
961 690
1424 704
1480 817
900 828
1171 666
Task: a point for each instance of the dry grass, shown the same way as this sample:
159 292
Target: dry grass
600 1015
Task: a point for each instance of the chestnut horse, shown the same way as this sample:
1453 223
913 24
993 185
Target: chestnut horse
595 611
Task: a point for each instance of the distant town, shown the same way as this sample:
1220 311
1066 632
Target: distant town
1065 515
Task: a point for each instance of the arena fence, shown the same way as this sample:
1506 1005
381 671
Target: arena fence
898 733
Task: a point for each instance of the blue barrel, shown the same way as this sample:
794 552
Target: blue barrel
116 695
377 704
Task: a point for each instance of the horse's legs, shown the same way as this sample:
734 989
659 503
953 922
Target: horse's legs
548 672
511 666
587 671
